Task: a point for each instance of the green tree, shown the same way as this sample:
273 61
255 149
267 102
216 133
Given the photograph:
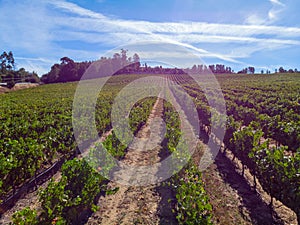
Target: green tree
124 57
281 70
7 61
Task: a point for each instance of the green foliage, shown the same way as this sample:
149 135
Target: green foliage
53 200
279 173
25 216
10 84
193 205
36 125
113 145
261 106
140 113
36 129
63 201
74 193
7 62
99 159
11 76
68 70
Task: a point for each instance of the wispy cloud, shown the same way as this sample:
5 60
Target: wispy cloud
71 7
117 31
71 22
276 2
269 17
274 12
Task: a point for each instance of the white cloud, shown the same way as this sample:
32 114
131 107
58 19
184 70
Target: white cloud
276 2
255 19
116 32
71 7
38 65
266 18
70 22
275 11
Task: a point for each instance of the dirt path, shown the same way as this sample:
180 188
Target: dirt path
139 204
235 201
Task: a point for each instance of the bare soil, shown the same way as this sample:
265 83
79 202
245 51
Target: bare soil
139 204
232 195
234 199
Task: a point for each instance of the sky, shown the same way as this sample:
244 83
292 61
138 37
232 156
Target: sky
260 33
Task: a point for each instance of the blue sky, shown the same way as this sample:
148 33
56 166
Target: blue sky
260 33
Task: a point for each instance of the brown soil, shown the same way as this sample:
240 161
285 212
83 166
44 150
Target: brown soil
234 199
232 195
138 204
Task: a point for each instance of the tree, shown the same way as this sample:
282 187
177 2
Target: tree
136 62
281 70
124 57
243 71
7 62
66 60
116 62
228 70
11 84
194 69
3 59
136 58
68 70
33 78
10 61
251 69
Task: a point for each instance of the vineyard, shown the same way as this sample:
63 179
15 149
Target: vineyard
262 131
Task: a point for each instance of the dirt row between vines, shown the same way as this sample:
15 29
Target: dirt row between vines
131 204
139 204
234 199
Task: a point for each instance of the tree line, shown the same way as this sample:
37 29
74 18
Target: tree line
120 63
66 71
9 74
